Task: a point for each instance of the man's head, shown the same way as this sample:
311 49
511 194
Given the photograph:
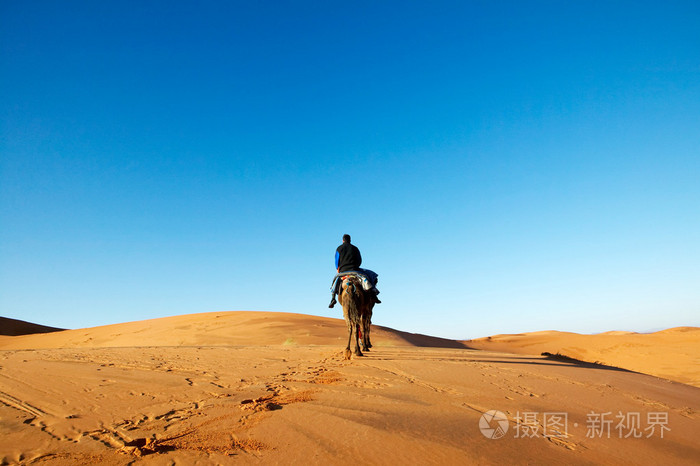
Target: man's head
346 238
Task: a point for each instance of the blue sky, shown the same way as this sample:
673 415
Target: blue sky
504 166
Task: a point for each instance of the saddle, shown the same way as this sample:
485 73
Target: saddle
368 279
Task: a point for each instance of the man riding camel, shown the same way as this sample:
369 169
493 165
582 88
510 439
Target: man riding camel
349 259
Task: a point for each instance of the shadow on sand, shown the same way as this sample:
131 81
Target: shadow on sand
580 363
424 341
553 360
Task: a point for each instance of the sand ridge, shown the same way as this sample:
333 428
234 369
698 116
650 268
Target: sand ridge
672 354
235 328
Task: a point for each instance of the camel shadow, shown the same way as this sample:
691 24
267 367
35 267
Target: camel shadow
545 359
550 359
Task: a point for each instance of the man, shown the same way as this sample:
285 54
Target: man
348 258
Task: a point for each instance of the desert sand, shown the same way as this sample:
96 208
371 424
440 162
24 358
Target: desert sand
672 354
273 388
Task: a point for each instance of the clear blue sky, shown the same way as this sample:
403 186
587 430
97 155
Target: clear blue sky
503 166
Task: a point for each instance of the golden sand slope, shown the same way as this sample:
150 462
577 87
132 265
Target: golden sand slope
221 329
672 354
217 402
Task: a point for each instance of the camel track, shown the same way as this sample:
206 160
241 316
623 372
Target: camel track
12 402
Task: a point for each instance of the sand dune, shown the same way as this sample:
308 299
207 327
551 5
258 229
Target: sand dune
268 388
221 329
672 354
14 327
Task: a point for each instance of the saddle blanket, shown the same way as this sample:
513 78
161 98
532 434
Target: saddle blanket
367 277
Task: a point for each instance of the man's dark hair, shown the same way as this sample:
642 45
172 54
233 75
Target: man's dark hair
346 238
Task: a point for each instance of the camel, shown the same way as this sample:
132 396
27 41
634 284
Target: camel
356 307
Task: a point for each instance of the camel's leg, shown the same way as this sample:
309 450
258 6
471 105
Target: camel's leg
366 345
357 340
347 351
361 332
366 324
365 337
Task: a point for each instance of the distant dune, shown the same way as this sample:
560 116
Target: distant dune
672 354
240 328
14 327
